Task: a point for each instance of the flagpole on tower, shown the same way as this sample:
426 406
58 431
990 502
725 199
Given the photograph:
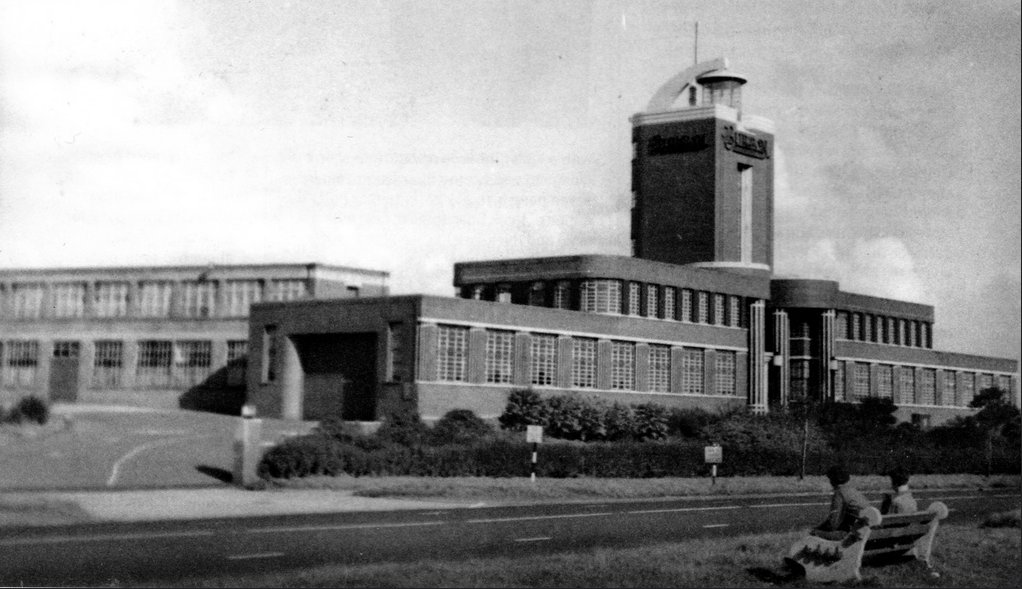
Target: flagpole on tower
695 50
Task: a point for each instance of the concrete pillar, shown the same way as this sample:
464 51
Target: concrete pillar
522 360
292 378
427 352
874 379
642 367
782 343
564 361
603 361
677 368
476 370
709 372
826 384
247 449
755 365
129 362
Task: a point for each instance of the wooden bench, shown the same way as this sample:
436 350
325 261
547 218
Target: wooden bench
875 535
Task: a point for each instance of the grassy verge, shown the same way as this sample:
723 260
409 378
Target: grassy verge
510 489
963 557
38 512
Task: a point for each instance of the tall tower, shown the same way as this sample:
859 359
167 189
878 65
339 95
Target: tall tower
703 175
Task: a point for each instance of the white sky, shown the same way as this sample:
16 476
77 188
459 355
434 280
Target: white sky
405 136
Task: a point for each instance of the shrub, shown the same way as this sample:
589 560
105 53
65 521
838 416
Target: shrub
619 422
404 428
688 423
459 426
303 456
29 409
1005 519
650 422
524 407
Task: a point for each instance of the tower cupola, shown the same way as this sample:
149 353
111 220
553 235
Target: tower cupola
722 86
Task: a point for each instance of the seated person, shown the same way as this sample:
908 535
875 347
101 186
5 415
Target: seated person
902 501
845 505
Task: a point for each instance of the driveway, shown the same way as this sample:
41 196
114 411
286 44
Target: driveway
103 447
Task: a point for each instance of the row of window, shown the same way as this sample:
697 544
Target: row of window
196 298
914 387
880 329
159 363
620 297
452 362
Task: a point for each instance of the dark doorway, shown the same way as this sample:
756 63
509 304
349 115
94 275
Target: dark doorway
340 375
64 372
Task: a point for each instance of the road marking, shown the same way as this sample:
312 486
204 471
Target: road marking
682 509
716 525
257 555
790 505
101 538
135 452
341 527
536 539
496 520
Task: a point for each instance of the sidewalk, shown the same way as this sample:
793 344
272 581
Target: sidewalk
67 507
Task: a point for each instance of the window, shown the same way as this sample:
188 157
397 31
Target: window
26 301
477 292
239 296
799 375
199 299
601 296
634 296
985 381
22 363
968 389
504 293
867 328
544 360
839 382
583 363
287 290
397 358
1004 383
902 333
652 301
500 347
907 388
892 330
237 362
881 334
154 299
110 299
718 309
537 294
841 325
622 366
68 299
745 174
192 362
860 385
734 315
562 295
669 303
686 305
659 368
911 340
154 363
269 372
856 326
927 387
885 381
726 376
107 364
703 307
949 395
452 352
692 372
65 349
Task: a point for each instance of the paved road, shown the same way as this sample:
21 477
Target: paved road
100 553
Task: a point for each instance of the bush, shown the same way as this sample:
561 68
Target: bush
524 407
650 422
459 426
404 428
28 409
688 423
619 422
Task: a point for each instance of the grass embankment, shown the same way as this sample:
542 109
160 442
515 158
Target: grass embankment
511 489
964 556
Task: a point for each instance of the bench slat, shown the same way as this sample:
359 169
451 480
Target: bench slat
892 532
922 517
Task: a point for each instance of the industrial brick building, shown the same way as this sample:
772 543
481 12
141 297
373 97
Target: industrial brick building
694 318
146 335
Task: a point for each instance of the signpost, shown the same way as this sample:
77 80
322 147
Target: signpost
713 455
534 435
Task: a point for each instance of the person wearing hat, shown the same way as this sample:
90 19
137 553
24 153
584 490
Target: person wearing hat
902 501
845 505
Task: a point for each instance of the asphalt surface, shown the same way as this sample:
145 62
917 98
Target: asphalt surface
97 554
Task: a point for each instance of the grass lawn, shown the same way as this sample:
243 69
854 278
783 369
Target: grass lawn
964 556
590 488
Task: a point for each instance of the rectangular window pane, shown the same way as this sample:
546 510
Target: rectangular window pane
927 387
686 305
907 385
652 301
562 295
659 368
799 375
583 363
499 356
544 360
703 309
726 375
718 309
885 381
192 362
985 382
452 352
968 389
622 366
634 294
287 290
240 294
107 364
839 382
949 396
841 325
154 362
670 312
199 299
22 363
26 301
860 387
734 315
154 299
110 299
68 299
692 372
537 294
601 296
65 349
